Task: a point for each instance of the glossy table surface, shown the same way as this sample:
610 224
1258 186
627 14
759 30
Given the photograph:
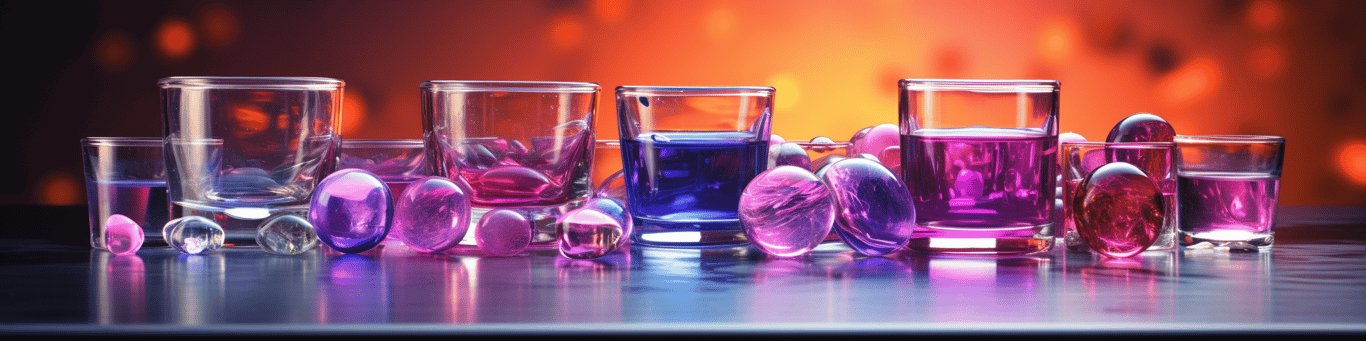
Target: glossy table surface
1312 280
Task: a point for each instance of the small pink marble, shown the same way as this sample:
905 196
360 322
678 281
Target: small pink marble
873 140
432 214
122 235
503 232
786 211
588 233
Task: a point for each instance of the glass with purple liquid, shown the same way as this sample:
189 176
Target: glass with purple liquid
521 145
127 176
687 154
1228 188
1156 159
980 158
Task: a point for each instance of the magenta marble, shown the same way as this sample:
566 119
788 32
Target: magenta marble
875 213
122 235
786 211
1119 211
352 210
873 140
587 233
432 214
1142 127
503 232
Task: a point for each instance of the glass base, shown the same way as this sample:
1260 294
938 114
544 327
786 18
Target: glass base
695 234
239 223
1226 238
1011 240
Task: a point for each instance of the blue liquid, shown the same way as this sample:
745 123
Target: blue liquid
690 181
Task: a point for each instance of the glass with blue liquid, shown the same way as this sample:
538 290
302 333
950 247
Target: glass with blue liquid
687 154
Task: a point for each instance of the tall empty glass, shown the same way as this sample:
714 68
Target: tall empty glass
1229 188
240 149
980 158
687 154
522 145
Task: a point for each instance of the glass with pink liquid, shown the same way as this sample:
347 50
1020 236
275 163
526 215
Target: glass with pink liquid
521 145
1228 188
980 158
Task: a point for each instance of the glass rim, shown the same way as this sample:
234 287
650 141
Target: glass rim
1244 139
407 143
510 86
1139 145
982 85
123 141
192 141
267 83
658 91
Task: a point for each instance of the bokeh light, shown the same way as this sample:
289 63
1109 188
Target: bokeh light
610 11
114 51
1351 161
1191 82
354 111
60 188
720 23
175 39
1264 15
566 31
1057 39
789 92
1268 60
219 23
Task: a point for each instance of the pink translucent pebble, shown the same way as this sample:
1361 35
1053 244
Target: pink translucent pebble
1119 211
873 140
875 211
503 232
1142 127
510 183
432 214
786 211
788 154
122 235
588 233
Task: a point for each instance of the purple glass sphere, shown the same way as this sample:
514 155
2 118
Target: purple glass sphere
432 214
352 210
873 140
503 232
1119 210
122 235
587 233
786 211
788 154
1142 127
875 212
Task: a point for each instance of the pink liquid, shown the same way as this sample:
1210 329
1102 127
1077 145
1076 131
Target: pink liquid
543 171
143 201
1227 207
981 190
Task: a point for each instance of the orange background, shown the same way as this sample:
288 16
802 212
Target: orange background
1290 68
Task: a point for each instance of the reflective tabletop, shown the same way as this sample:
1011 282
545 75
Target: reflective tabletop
1312 280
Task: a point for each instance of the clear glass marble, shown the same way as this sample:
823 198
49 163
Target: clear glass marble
193 234
287 234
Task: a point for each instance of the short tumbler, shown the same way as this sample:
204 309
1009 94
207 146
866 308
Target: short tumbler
1157 159
125 175
241 149
980 158
687 154
1229 187
521 145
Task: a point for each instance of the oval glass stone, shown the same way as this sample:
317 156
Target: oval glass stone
287 234
875 214
503 232
193 234
432 214
351 210
1142 127
587 233
616 210
873 140
788 154
1119 210
510 183
786 211
122 235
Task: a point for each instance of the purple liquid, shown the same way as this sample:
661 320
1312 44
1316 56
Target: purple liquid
690 181
1227 207
143 201
981 190
544 171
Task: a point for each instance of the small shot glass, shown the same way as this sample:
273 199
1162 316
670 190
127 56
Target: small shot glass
1156 159
1229 186
127 176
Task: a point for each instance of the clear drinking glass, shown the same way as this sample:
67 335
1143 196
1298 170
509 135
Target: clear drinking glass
125 175
240 149
522 145
1228 188
980 159
1157 159
687 154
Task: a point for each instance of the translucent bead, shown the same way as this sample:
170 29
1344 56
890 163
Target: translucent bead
1119 211
193 234
873 140
786 211
1142 127
788 154
351 210
876 213
822 144
587 233
122 235
432 214
503 232
616 210
1070 137
287 234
